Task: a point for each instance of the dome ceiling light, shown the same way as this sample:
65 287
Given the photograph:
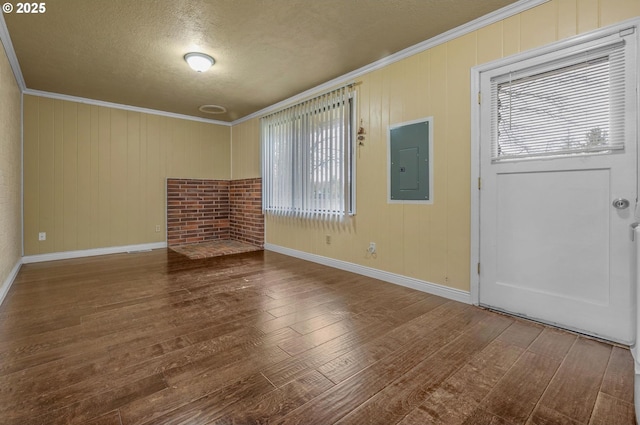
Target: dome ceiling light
199 62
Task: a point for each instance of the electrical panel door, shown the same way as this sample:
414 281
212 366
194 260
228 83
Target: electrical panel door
409 162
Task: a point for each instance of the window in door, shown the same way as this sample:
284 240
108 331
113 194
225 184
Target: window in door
573 105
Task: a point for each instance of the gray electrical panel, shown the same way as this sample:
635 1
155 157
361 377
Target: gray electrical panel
409 162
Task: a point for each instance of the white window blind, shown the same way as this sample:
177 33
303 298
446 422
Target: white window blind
574 105
307 155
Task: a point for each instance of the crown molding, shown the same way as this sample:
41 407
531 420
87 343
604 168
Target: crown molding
11 54
476 24
84 100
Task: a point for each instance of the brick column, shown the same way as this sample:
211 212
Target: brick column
246 219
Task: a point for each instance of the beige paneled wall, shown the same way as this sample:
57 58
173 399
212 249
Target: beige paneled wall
94 177
428 242
10 210
245 163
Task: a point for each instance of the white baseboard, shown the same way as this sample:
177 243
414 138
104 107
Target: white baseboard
636 380
91 252
409 282
636 395
6 285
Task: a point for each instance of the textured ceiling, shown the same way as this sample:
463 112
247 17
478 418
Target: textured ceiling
131 51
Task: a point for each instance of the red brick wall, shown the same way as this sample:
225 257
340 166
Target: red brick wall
197 211
205 210
246 219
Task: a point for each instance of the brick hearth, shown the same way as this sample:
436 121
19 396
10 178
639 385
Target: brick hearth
206 210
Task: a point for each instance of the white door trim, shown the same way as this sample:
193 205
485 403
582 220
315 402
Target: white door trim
474 277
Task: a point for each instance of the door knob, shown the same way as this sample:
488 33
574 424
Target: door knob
620 203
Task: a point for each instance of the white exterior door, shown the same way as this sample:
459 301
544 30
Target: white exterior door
555 237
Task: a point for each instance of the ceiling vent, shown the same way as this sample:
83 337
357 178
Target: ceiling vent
212 109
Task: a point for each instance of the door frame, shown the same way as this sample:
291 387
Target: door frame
476 71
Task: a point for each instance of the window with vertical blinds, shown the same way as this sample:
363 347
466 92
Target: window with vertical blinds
573 105
307 157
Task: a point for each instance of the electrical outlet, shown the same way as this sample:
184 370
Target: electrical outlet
42 236
327 239
372 248
157 227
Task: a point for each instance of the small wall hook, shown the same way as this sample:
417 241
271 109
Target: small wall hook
361 133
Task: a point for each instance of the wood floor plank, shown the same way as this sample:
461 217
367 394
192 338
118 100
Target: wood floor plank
385 305
350 301
248 319
240 394
482 417
315 323
155 337
353 361
460 394
514 401
38 349
111 371
404 311
111 418
33 328
574 389
610 410
155 305
521 333
53 345
442 408
398 311
318 337
618 379
213 354
96 406
553 343
544 416
45 384
301 364
347 396
278 403
410 390
88 382
136 288
292 318
477 378
136 305
194 383
31 353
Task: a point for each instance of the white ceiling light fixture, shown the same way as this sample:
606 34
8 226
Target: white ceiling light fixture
199 62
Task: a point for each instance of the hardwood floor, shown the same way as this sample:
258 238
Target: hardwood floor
261 338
